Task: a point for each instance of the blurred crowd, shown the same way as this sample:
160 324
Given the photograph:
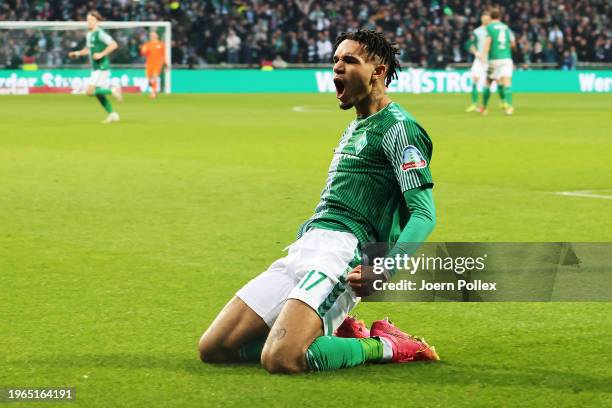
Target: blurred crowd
430 33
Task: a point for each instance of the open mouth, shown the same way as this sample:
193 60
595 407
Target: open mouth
339 87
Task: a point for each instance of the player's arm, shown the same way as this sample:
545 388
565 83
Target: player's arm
164 61
422 217
421 223
471 46
79 53
512 41
111 45
486 48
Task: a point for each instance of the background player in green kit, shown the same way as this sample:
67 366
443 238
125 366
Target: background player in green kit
378 187
498 48
479 66
98 46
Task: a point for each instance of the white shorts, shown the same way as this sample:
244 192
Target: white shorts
479 69
100 78
501 68
314 271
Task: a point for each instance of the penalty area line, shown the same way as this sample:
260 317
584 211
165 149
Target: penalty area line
584 194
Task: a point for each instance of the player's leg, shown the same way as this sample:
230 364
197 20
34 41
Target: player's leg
294 331
296 344
486 94
474 94
478 70
236 330
301 337
507 81
151 80
153 85
239 331
97 82
501 92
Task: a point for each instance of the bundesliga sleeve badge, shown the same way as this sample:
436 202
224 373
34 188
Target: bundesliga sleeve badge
412 158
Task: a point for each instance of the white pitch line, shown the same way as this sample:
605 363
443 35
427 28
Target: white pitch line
584 193
306 109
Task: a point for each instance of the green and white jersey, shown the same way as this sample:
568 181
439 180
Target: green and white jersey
479 36
377 159
97 41
501 37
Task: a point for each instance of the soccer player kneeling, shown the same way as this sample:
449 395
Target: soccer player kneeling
379 182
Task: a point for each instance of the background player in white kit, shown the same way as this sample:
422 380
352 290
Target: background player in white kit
479 66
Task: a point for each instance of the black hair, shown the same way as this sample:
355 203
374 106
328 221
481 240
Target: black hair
375 44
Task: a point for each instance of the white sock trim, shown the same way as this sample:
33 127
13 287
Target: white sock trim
387 350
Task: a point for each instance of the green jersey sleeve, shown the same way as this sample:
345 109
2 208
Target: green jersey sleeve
408 150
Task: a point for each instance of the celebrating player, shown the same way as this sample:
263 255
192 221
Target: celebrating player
155 53
99 45
286 316
479 66
498 44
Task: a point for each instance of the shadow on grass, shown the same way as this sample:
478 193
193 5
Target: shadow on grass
442 373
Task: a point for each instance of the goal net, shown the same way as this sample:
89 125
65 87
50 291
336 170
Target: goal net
34 55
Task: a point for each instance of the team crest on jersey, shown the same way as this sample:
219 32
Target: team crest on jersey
412 158
361 143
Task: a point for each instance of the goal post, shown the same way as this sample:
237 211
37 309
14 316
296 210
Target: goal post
81 27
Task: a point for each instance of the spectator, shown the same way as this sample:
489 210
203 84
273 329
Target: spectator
279 62
555 35
233 47
550 54
569 59
324 47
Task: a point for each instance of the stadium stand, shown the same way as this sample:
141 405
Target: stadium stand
431 34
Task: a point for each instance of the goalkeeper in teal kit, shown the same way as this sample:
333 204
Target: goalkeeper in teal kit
294 316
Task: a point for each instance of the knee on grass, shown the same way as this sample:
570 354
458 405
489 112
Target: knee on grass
214 352
283 361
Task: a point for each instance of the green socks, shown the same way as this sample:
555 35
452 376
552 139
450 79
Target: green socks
508 92
485 97
104 102
372 348
252 350
326 352
474 94
332 353
102 91
500 91
101 95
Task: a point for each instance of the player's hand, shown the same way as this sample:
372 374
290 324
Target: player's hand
73 54
97 55
362 278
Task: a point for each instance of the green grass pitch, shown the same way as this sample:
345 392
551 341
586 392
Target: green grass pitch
119 244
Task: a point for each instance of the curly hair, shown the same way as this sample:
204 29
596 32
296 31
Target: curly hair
377 45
